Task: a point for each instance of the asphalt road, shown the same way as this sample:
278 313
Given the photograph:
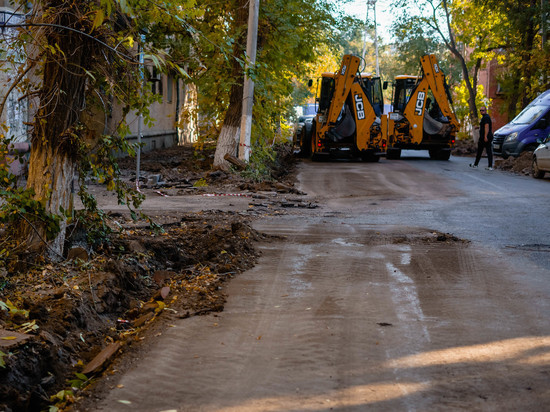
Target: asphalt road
417 285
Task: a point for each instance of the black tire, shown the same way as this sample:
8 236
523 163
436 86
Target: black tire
537 173
440 154
444 154
305 143
393 154
531 147
312 144
369 157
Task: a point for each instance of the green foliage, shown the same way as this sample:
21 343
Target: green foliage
201 183
12 309
525 63
262 162
66 397
61 400
415 40
19 203
461 107
2 361
79 382
291 36
506 30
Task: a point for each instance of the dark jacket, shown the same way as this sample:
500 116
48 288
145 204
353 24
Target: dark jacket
485 121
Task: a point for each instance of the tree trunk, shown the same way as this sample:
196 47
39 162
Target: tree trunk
472 92
51 174
53 161
188 114
228 139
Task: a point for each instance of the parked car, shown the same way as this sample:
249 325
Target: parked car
303 127
522 133
541 158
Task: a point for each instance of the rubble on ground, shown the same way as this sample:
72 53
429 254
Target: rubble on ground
62 324
521 164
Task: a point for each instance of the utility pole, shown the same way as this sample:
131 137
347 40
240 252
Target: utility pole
140 116
373 2
248 92
365 32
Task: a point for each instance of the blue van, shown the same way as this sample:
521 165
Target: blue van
522 133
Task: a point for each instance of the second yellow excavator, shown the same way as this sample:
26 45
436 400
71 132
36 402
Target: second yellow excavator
422 117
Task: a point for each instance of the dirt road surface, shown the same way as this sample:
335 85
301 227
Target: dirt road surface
415 286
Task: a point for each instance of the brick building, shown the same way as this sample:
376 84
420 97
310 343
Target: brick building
488 78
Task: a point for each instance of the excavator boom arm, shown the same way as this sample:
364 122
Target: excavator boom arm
432 80
343 80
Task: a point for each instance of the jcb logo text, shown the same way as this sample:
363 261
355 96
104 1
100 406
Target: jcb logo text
419 103
359 107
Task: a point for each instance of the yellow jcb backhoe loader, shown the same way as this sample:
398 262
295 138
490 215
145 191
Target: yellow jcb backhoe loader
422 117
348 117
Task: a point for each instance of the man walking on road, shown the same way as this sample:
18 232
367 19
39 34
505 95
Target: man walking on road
485 139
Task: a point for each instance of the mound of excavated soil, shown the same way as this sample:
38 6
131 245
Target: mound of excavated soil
61 322
522 164
464 147
79 308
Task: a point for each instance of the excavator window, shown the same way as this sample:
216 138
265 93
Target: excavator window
377 97
403 91
327 90
372 88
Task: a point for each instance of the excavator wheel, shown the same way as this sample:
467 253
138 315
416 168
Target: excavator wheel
305 144
393 154
369 157
444 154
440 154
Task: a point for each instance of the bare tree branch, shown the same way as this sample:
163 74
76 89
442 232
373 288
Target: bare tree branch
14 85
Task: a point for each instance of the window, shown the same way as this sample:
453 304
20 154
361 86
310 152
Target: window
169 88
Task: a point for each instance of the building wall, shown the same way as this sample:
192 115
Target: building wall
488 78
164 132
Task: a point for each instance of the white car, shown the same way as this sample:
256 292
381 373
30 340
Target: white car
541 159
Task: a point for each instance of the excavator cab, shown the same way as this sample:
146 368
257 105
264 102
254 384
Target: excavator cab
403 89
372 86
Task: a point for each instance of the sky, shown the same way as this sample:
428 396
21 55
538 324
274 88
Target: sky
358 9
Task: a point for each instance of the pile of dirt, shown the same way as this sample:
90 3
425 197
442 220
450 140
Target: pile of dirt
62 324
464 147
186 166
521 165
